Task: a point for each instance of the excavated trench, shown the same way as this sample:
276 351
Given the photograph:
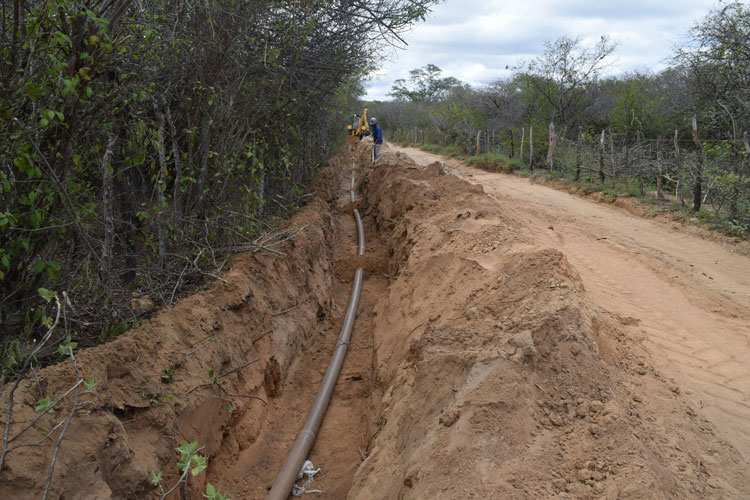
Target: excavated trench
477 369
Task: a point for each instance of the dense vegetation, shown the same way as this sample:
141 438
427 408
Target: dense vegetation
682 132
143 142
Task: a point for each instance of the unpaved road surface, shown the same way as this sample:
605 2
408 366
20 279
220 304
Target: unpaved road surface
687 299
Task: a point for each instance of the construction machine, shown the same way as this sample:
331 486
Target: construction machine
358 128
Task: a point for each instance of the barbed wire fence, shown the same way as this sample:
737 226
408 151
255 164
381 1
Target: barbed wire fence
677 169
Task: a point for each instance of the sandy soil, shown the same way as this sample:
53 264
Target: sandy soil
685 298
512 341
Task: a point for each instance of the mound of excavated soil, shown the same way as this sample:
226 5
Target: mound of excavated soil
478 368
498 380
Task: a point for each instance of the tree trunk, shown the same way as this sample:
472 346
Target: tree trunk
612 157
659 194
512 143
523 136
105 270
176 193
531 149
261 181
479 134
161 181
627 154
579 146
205 154
552 146
698 188
601 157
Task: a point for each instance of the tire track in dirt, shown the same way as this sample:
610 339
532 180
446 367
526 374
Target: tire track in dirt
685 299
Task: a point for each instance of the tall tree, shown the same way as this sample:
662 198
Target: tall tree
718 59
561 75
426 85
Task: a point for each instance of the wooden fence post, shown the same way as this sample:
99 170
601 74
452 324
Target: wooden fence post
678 168
612 157
552 145
601 157
659 194
531 149
627 153
698 188
579 145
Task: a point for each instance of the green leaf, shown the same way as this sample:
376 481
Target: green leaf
44 404
155 478
47 294
214 493
210 491
66 346
90 384
200 464
187 453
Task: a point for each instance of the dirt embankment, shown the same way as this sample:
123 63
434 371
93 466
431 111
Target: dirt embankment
154 383
479 368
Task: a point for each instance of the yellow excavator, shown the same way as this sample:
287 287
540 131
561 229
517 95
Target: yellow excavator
359 127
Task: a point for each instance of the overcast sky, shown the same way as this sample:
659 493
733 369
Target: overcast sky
474 40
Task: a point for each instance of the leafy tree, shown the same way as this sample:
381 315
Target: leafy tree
718 59
139 135
560 76
426 85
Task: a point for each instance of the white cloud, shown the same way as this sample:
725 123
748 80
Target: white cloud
475 40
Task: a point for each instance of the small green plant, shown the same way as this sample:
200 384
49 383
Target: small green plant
216 379
494 162
214 493
44 404
68 344
737 229
703 215
190 463
166 375
155 478
189 455
91 384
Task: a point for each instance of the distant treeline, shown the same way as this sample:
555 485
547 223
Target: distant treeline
683 130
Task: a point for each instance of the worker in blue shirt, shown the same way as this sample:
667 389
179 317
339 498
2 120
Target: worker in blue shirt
377 138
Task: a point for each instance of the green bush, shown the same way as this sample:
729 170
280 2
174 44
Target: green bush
494 162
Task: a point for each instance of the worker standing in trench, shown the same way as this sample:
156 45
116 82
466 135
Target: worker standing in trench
377 138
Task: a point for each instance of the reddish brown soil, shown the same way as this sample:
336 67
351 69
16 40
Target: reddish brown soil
503 349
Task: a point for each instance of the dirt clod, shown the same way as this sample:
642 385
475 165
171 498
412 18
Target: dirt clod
450 416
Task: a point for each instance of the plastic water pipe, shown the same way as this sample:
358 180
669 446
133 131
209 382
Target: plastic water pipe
282 487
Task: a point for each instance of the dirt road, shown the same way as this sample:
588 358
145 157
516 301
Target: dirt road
686 299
